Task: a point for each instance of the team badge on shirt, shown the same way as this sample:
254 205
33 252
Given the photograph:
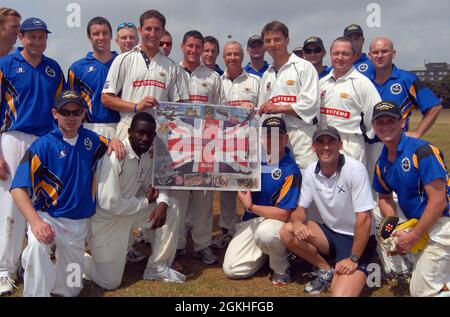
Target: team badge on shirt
290 82
162 74
205 85
88 144
344 95
363 67
406 164
276 174
396 89
247 90
49 71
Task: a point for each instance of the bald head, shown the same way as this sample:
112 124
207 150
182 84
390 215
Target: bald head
384 40
382 53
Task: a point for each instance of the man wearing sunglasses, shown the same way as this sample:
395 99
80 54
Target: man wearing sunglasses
87 76
127 36
59 172
166 43
30 81
139 79
314 52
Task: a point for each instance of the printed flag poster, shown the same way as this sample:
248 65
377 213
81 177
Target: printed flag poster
206 147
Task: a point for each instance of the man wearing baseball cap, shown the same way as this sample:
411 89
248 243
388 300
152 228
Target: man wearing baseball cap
362 63
28 88
314 52
266 211
416 171
255 49
58 173
339 186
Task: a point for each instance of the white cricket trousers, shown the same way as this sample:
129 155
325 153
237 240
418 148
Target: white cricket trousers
42 277
13 146
228 216
254 241
398 264
432 269
354 145
300 141
197 203
108 242
108 130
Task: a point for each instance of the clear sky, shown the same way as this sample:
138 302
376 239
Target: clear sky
420 29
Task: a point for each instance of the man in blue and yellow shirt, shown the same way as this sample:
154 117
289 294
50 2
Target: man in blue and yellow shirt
87 76
58 172
402 88
29 82
257 237
416 171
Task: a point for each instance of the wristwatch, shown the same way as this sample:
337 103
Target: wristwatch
354 258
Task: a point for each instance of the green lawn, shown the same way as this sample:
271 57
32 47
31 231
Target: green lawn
203 280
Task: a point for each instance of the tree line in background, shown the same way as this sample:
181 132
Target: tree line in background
441 89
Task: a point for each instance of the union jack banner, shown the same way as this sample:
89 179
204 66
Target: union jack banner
206 147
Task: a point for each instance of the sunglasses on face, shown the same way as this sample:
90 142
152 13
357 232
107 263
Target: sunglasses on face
66 113
162 43
316 50
125 24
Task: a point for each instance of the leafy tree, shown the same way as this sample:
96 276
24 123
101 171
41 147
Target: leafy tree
442 89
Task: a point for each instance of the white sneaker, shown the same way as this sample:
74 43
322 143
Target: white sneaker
164 273
6 284
135 256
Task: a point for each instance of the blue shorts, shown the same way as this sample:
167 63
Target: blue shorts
340 247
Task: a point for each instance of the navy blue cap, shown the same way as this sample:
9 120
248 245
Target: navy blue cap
353 28
67 96
32 24
275 123
386 108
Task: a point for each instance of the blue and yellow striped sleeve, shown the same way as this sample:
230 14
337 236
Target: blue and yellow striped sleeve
290 192
379 183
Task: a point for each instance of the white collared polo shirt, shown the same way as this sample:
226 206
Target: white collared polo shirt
340 196
347 102
134 76
244 88
205 86
295 83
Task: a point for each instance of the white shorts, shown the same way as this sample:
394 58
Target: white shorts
432 269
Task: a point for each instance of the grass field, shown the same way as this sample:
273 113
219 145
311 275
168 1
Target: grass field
203 280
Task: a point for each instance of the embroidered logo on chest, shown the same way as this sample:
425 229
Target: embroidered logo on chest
396 89
363 67
88 144
276 174
406 164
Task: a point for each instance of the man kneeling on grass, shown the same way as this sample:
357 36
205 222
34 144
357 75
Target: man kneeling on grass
257 236
340 187
126 200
